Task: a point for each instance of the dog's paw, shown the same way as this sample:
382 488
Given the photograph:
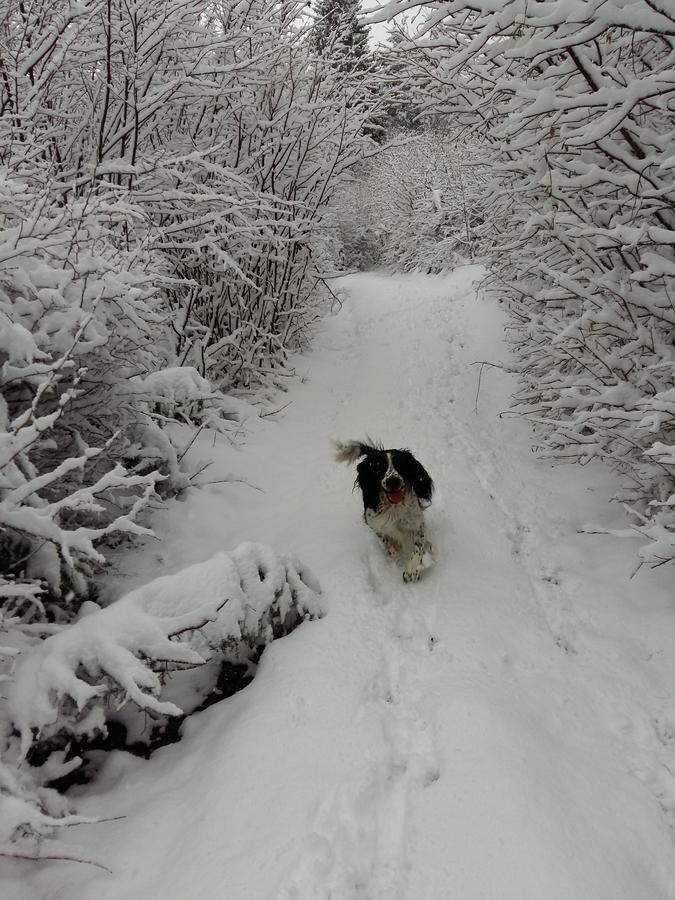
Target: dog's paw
411 574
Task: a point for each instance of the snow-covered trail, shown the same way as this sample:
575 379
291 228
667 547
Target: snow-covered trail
503 729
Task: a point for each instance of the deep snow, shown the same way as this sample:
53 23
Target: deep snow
503 729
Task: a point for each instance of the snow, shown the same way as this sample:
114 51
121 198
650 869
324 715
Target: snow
229 598
502 729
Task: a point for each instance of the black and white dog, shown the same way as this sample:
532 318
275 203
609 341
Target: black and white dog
396 488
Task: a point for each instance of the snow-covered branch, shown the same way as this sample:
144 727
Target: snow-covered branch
573 114
64 687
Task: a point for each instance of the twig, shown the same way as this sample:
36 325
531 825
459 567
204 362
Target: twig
228 481
336 300
208 617
93 821
482 363
50 856
338 275
199 471
191 442
264 415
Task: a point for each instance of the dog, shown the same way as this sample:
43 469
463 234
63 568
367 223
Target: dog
396 489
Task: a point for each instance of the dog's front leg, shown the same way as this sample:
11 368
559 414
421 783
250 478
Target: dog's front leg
421 547
391 547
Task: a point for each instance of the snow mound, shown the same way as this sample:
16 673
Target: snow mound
69 685
251 594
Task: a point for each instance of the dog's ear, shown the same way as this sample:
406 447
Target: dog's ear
413 470
350 451
347 451
368 480
424 486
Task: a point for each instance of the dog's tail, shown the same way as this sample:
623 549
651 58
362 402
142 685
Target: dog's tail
350 451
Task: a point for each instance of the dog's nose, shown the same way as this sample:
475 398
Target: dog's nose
393 483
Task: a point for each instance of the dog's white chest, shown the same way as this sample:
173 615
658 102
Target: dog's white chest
396 519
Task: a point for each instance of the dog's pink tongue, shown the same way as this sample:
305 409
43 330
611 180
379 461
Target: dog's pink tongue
395 496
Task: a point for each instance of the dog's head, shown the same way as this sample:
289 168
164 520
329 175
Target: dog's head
388 476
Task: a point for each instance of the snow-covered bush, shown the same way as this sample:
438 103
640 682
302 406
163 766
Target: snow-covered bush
417 206
29 809
204 141
65 687
31 812
164 168
83 386
116 654
162 172
260 135
53 484
577 116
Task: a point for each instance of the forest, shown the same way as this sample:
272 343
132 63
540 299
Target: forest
181 184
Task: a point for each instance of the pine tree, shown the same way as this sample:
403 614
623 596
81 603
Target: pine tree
339 33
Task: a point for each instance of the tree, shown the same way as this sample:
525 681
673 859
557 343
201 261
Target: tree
417 206
570 115
339 32
164 168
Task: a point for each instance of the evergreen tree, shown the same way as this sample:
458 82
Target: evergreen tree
339 33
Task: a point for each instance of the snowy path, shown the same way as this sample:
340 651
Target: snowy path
503 729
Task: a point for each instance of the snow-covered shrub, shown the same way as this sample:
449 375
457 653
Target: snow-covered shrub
161 174
30 811
417 206
194 147
259 138
53 507
287 137
576 114
83 385
65 687
117 654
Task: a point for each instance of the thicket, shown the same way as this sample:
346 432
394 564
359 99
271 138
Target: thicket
574 110
418 206
164 170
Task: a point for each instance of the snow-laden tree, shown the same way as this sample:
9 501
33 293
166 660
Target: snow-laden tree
163 169
417 206
339 32
576 113
275 143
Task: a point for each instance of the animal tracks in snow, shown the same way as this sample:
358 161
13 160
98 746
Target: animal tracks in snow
359 848
509 618
530 499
